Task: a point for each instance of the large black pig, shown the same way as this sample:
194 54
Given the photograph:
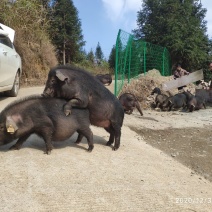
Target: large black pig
44 117
83 90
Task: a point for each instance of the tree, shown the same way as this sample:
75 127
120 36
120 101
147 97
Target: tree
99 54
112 58
177 25
45 3
90 56
66 30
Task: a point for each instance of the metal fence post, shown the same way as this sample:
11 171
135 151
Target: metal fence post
144 58
130 41
117 60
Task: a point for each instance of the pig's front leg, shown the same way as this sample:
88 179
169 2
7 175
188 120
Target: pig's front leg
19 143
67 108
78 103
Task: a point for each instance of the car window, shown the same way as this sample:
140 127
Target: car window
6 41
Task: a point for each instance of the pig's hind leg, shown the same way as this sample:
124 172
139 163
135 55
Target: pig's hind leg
79 138
89 136
115 134
111 139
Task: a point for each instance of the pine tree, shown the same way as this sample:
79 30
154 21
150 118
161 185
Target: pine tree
99 54
66 30
112 58
45 3
177 25
90 56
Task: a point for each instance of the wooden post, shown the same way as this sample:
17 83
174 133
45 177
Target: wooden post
184 80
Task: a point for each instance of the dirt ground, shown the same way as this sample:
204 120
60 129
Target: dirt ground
163 164
192 146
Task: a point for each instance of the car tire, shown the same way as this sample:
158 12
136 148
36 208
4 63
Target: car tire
16 85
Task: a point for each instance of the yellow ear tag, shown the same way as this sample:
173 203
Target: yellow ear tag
10 129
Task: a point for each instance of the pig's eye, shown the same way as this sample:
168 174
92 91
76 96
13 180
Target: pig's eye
53 81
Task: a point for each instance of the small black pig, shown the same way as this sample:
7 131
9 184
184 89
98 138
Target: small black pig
160 98
44 117
196 102
129 102
175 102
105 79
83 90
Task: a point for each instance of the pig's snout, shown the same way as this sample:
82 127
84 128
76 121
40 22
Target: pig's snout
48 93
44 95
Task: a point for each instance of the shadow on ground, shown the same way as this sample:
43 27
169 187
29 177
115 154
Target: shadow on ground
35 142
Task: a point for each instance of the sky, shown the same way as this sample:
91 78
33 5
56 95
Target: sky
102 19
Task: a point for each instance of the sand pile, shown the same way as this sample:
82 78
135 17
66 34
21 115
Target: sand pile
143 85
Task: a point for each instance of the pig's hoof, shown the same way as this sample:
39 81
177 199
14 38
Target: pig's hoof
77 142
108 143
48 152
14 147
157 109
115 148
67 112
90 148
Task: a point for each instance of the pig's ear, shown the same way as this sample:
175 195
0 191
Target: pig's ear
1 127
61 76
11 126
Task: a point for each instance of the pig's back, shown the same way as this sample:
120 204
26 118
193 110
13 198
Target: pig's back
65 126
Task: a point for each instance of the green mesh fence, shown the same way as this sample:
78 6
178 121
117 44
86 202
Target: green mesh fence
134 57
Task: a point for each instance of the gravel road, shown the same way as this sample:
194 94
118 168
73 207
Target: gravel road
138 177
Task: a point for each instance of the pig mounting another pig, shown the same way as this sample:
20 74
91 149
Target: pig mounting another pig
83 90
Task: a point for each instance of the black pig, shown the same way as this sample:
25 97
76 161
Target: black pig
206 94
83 90
44 117
105 79
196 102
175 102
129 102
160 98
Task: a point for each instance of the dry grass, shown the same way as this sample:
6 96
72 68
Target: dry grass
142 87
28 19
37 57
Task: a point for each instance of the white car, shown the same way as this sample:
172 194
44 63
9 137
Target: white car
10 63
